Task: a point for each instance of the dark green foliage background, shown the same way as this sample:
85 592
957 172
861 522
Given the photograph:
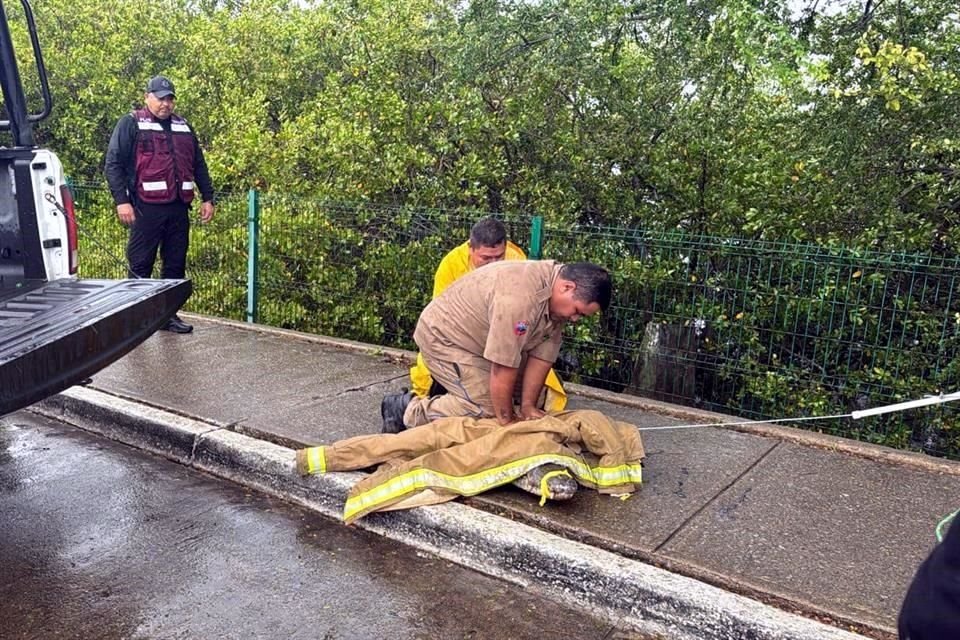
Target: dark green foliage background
732 118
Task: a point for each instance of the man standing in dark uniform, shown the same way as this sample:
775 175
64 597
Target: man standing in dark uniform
154 166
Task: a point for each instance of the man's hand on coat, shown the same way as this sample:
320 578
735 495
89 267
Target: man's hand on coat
531 413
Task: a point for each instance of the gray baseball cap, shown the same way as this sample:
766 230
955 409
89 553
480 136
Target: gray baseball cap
160 87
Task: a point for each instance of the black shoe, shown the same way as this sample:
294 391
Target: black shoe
176 325
391 410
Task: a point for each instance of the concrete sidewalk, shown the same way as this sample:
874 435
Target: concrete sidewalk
811 524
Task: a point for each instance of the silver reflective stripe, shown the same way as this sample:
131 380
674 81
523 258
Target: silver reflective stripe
187 186
149 126
179 128
160 185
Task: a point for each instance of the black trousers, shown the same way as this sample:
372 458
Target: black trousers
165 227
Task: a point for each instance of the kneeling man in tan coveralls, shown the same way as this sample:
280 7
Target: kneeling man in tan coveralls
493 335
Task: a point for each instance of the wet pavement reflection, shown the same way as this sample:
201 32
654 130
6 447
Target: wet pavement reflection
98 540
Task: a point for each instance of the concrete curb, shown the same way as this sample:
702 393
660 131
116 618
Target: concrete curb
626 592
801 437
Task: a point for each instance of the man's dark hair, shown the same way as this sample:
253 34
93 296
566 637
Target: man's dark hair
593 282
488 232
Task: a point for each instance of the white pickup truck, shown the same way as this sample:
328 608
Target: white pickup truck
55 329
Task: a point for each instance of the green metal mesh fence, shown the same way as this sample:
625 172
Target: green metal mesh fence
217 262
354 270
762 330
770 330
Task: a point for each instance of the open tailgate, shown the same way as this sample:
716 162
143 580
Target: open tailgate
56 334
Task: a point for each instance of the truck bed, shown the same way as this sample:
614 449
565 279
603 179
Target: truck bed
55 334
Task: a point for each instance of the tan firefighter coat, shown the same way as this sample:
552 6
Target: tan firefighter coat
465 456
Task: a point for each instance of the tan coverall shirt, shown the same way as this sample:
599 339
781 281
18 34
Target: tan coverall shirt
500 314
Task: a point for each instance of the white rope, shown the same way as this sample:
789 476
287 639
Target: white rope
902 406
856 415
736 424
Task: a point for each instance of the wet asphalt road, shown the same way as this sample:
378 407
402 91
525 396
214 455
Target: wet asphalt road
98 540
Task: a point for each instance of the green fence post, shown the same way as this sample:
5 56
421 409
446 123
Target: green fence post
536 238
253 255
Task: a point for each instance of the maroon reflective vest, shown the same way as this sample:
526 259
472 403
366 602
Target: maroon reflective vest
164 160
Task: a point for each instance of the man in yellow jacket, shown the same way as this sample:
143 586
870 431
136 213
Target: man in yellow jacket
488 243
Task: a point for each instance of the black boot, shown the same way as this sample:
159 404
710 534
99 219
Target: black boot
391 410
176 325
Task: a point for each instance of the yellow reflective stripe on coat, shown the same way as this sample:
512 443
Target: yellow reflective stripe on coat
613 476
318 461
417 479
311 460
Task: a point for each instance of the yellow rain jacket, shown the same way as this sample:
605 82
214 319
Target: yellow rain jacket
454 265
461 456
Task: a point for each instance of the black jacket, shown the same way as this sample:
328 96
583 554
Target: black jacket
121 166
